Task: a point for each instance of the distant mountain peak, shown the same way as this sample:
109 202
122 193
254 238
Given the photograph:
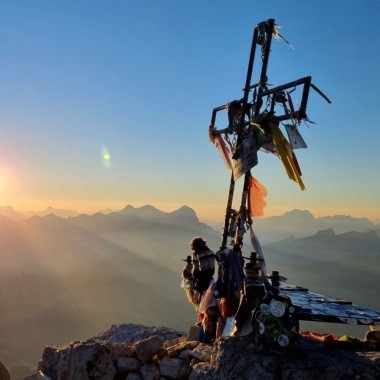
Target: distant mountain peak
367 235
60 212
296 213
146 210
326 232
9 212
7 208
149 208
186 212
344 217
44 218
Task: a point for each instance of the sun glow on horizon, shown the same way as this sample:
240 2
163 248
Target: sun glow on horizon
8 182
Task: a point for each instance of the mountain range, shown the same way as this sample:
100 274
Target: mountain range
67 278
302 223
297 223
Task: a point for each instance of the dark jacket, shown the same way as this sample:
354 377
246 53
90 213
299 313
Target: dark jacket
204 268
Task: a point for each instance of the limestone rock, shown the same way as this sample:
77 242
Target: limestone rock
203 371
134 376
83 361
173 342
150 372
174 368
202 352
126 365
131 333
161 353
174 351
123 349
4 374
147 347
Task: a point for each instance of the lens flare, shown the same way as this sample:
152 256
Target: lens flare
106 157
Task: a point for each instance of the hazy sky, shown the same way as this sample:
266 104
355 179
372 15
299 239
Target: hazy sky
137 80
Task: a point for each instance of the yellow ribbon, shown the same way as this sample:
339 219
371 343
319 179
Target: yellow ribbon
285 153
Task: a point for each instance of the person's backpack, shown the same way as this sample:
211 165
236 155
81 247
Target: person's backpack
230 274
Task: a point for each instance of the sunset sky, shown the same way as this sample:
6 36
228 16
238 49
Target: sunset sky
108 103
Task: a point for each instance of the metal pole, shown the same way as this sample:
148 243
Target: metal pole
269 25
239 136
250 70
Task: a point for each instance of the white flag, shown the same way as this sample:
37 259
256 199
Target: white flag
295 138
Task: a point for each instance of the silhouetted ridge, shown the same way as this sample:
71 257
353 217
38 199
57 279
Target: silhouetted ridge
365 236
9 212
149 214
299 214
186 213
146 211
325 233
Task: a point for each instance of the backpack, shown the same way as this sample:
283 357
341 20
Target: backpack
230 274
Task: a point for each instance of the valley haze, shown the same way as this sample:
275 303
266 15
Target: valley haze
296 223
66 277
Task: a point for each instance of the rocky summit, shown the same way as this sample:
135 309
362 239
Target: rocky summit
137 352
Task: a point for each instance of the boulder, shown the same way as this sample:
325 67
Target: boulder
4 373
161 353
150 372
202 352
126 365
85 361
146 348
175 350
174 368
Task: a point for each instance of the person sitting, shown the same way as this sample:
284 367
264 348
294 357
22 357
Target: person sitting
203 264
203 259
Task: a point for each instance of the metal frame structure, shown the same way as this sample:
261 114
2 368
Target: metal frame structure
309 305
262 37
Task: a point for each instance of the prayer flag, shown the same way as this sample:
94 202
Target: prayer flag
256 194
